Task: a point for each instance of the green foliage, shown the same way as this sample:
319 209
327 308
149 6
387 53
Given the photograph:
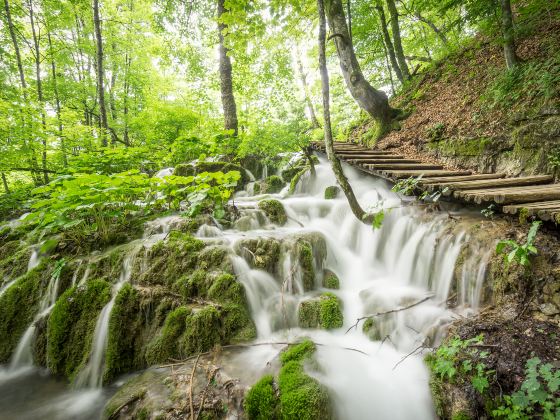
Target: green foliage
406 186
166 344
520 253
537 396
461 360
377 219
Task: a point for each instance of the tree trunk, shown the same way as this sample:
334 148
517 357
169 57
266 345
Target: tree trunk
434 28
397 38
16 48
5 182
100 73
310 107
335 163
509 35
371 100
349 13
389 70
57 101
226 82
39 92
127 62
387 42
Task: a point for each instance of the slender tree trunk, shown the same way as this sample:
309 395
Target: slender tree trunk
5 182
226 80
389 70
335 163
349 13
371 100
387 41
509 35
57 101
39 91
395 28
100 73
310 107
433 27
127 62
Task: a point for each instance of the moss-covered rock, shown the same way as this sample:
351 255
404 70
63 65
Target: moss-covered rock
300 396
14 257
296 178
166 344
305 258
262 253
331 192
289 173
200 167
19 305
330 280
72 324
274 210
261 402
271 185
322 312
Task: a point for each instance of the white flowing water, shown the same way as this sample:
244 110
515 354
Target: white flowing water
410 259
92 375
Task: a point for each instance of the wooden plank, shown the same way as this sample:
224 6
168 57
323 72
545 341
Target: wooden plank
443 179
407 174
364 153
499 190
401 166
531 207
490 183
382 160
553 216
513 195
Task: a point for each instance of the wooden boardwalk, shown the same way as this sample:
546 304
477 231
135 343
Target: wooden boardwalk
536 196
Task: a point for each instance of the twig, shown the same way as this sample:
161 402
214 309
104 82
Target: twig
123 405
421 346
297 221
355 326
191 387
201 406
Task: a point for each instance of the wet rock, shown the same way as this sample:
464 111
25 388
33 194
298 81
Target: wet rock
323 312
331 192
330 280
274 210
271 185
261 253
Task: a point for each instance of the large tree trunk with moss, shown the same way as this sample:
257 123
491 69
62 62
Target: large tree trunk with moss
371 100
100 73
387 41
226 79
395 28
335 163
509 35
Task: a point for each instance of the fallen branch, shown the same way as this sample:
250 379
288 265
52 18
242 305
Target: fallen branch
355 326
421 346
191 387
201 406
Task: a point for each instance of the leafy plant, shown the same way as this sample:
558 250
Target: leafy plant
406 186
489 211
538 395
457 358
520 253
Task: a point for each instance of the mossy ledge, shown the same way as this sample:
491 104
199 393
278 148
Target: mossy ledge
299 396
274 210
322 312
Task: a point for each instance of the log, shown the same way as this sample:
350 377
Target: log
443 179
407 174
532 208
490 183
382 160
362 153
401 166
512 195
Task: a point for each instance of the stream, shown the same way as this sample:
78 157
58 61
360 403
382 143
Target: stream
409 261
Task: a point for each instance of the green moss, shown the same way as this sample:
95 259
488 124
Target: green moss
19 305
226 288
237 324
261 402
184 169
331 313
264 253
214 257
323 312
331 192
295 179
330 280
14 257
288 174
200 167
298 352
271 185
274 210
166 344
368 326
304 252
203 331
71 326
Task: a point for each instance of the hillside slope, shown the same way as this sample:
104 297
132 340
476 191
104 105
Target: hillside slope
468 111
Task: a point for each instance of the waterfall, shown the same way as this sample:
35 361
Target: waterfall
410 259
92 375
